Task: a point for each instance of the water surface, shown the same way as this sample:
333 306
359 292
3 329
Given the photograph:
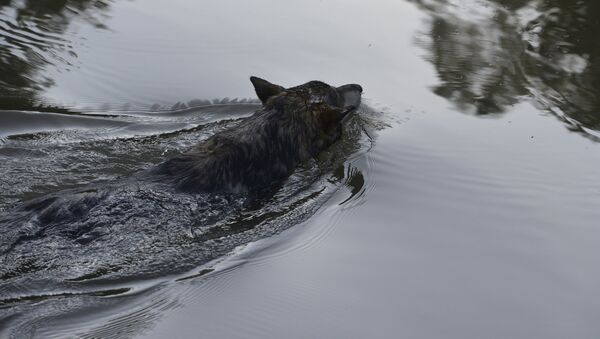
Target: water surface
461 203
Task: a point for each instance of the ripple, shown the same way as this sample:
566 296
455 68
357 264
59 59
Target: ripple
171 232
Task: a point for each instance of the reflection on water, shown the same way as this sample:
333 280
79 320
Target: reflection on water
489 54
34 37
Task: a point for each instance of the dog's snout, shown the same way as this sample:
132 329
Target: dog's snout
351 95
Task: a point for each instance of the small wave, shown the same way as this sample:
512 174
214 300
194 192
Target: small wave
118 123
20 122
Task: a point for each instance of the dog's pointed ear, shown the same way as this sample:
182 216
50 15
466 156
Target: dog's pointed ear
264 89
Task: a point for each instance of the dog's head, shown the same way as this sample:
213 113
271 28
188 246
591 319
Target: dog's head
314 103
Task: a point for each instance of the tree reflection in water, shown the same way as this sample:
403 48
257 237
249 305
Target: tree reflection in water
33 37
490 54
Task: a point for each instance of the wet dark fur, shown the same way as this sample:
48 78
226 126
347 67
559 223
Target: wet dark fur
294 125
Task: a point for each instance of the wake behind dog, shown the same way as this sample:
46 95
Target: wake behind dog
186 211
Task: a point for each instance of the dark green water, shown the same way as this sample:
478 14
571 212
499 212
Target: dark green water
463 201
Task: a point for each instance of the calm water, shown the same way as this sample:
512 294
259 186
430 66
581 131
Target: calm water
463 200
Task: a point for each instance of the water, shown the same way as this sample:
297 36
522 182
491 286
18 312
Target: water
461 202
